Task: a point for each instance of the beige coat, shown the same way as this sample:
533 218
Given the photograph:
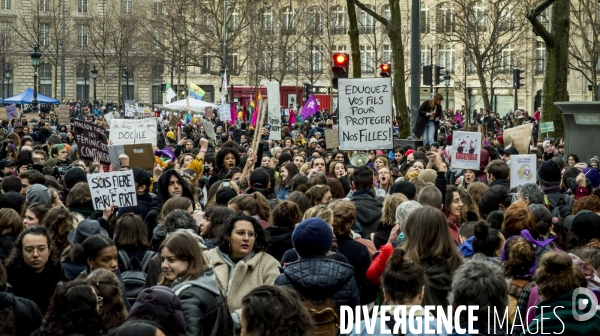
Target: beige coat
262 269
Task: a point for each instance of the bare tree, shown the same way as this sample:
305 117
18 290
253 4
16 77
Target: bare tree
489 33
585 45
557 54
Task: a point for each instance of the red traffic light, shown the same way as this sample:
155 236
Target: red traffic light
385 67
340 59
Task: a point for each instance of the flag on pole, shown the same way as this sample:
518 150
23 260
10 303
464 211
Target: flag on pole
252 107
259 104
311 107
196 92
224 88
292 119
170 93
188 118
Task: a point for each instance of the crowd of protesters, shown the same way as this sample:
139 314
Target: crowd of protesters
244 234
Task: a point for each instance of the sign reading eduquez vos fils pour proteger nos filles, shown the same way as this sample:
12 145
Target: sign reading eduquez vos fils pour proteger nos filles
365 113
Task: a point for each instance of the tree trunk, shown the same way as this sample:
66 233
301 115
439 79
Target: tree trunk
354 44
484 89
395 33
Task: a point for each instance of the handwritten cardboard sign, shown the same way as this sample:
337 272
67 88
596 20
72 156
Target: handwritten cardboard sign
209 128
174 120
128 131
62 112
332 138
116 188
11 112
274 110
140 154
365 113
91 141
518 137
523 169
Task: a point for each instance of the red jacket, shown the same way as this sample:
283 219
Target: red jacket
378 264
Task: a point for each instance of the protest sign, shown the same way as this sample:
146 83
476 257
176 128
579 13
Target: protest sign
117 188
3 111
365 113
547 127
62 112
130 108
128 131
466 152
274 110
208 111
209 128
522 169
332 138
174 120
225 112
518 137
141 154
109 117
11 112
91 141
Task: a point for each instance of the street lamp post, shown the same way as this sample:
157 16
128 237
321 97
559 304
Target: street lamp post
94 77
7 75
447 83
35 61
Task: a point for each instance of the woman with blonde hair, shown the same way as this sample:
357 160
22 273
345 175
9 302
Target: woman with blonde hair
388 219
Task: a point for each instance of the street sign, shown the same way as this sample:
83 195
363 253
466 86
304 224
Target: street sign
547 127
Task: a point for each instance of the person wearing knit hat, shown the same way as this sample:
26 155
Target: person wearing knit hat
548 174
427 176
171 135
74 176
224 195
39 193
593 175
315 276
404 187
594 162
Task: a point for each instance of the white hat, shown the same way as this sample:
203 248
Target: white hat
313 140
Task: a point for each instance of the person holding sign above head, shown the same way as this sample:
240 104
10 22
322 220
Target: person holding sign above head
428 120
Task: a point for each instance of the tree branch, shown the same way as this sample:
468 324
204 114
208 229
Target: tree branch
538 28
371 12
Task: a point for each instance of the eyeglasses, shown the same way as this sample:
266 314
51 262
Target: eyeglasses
100 301
242 234
30 249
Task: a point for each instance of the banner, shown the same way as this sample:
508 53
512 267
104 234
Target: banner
365 114
130 108
91 141
518 137
332 138
466 152
523 169
224 112
274 110
547 127
117 188
136 131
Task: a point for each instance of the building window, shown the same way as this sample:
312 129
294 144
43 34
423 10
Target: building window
156 94
472 67
291 60
82 6
46 79
387 54
316 60
267 21
157 39
367 59
5 33
386 12
446 58
44 5
233 62
269 61
314 22
205 61
445 18
6 4
338 20
425 55
128 91
83 35
158 7
425 24
540 58
289 24
367 22
505 60
234 20
45 34
506 19
478 17
339 48
127 6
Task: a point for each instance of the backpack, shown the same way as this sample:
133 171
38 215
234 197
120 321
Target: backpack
324 315
559 199
134 277
7 321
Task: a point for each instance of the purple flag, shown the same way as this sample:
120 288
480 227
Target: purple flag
311 107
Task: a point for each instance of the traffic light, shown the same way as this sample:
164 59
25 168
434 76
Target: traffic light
517 79
386 70
427 75
438 75
340 67
307 90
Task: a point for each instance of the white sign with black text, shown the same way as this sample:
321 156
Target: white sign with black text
274 110
117 188
365 113
133 131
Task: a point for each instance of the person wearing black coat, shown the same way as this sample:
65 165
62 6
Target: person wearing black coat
27 317
428 119
144 197
280 241
160 305
44 133
316 277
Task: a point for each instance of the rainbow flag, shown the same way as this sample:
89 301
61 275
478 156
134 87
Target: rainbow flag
196 92
252 107
259 104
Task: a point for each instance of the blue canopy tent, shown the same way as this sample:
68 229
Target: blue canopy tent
26 97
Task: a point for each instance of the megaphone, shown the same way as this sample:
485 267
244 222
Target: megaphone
359 159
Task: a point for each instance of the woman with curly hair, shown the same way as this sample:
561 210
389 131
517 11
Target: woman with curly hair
274 311
106 285
283 219
59 223
214 219
225 159
73 310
